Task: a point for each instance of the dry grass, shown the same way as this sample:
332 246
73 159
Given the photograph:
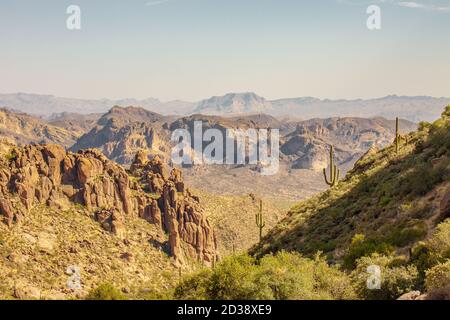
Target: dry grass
36 252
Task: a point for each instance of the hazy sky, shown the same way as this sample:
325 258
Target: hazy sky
192 49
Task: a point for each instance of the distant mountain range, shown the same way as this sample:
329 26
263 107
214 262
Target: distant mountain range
51 106
121 132
418 108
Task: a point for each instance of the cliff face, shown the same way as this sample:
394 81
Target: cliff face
308 145
122 132
49 175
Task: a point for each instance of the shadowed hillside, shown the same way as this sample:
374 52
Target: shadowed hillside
392 199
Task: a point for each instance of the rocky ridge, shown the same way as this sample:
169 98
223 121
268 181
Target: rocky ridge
25 129
49 175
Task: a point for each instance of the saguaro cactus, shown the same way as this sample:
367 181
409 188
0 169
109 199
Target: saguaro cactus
334 171
397 136
260 223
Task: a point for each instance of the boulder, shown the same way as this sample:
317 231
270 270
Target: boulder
413 295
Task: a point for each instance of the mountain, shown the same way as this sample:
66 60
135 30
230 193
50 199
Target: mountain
308 145
61 212
77 123
25 129
304 147
232 104
415 109
122 132
48 105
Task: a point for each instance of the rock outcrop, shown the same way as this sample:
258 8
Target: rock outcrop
176 210
122 132
49 175
436 294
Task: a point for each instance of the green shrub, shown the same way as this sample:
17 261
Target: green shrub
194 287
384 201
233 279
426 255
361 247
439 243
282 276
438 276
105 291
423 126
290 276
404 235
395 279
422 258
446 112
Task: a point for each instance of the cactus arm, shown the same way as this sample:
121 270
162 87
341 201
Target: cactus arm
326 178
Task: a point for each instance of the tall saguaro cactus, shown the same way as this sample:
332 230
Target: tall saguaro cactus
334 171
260 222
397 136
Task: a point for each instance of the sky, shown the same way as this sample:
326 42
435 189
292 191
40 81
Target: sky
194 49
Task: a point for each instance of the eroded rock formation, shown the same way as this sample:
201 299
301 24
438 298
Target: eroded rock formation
49 175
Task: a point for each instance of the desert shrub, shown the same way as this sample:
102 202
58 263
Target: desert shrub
421 211
403 235
396 279
290 276
439 243
361 247
423 126
438 276
194 287
423 179
435 250
384 201
11 156
282 276
423 259
105 291
233 279
331 282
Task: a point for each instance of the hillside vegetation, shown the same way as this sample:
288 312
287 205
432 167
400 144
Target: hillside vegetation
390 212
233 218
392 199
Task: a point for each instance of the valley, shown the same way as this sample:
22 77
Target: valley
109 185
218 158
